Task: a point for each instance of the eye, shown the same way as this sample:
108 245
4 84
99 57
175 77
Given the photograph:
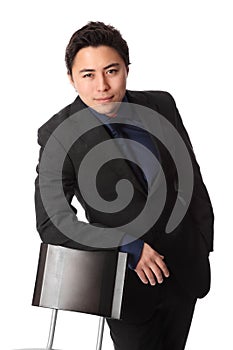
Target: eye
88 75
112 71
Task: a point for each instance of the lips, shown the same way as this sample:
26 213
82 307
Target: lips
104 99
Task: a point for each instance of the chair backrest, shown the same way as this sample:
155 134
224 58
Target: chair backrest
84 281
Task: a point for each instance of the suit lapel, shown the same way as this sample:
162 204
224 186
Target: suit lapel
96 136
152 125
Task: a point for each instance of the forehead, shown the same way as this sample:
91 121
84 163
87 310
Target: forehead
96 57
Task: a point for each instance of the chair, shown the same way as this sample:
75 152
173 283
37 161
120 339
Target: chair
83 281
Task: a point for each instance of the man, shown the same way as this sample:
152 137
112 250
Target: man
166 272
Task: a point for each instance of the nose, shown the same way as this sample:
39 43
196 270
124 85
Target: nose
102 83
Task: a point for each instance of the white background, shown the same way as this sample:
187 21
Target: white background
183 47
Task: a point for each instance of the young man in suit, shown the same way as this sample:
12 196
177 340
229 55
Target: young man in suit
166 272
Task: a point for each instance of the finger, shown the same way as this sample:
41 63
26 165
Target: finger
142 276
150 275
157 272
163 267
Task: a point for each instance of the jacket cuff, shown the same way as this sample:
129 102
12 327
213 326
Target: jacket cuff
134 249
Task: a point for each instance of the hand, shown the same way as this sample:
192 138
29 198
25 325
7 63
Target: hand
151 265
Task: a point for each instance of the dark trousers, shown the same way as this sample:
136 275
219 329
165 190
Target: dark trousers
167 329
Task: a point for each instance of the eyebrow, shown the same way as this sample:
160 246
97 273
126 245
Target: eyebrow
93 70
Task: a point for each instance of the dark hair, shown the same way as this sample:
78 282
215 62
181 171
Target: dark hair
96 34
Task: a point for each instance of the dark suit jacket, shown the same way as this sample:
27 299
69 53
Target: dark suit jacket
186 249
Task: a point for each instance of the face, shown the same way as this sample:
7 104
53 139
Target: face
99 76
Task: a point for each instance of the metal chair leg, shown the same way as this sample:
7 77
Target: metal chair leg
51 332
52 329
100 333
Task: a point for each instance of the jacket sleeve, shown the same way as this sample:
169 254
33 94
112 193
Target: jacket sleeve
56 220
200 208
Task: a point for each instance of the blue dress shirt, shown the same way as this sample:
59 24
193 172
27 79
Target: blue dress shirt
133 132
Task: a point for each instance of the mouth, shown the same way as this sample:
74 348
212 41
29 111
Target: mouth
104 99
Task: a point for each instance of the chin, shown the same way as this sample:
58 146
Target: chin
109 109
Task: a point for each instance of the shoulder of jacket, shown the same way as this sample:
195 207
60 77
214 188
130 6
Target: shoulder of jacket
51 124
158 96
161 101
